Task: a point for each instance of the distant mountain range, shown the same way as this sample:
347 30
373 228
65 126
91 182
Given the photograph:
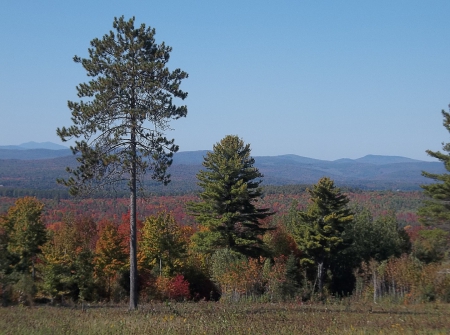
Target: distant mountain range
32 167
33 150
368 172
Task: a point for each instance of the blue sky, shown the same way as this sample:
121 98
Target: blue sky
322 79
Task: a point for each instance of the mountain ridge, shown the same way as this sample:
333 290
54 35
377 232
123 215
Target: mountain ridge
39 168
35 145
52 150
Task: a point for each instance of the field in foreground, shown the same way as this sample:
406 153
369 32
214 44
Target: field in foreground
221 318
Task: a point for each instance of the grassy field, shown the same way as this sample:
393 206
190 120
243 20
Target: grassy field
221 318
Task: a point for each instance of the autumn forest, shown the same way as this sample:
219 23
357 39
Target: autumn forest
233 239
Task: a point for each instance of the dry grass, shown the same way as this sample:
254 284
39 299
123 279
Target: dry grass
220 318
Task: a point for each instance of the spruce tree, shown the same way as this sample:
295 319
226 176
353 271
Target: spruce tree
230 190
319 230
121 124
436 210
291 284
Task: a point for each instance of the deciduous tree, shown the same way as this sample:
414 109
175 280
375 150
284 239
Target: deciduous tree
378 238
5 258
68 259
26 233
122 122
371 239
110 256
163 245
432 245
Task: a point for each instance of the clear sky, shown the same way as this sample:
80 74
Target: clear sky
322 79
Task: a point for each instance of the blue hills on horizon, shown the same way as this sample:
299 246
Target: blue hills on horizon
186 157
35 145
368 172
44 150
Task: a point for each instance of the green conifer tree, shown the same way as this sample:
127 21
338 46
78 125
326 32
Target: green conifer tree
227 210
319 231
291 284
436 210
122 122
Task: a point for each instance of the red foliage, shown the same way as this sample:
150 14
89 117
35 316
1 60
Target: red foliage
413 232
283 243
124 230
86 229
178 288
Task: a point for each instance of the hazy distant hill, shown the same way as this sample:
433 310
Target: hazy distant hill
374 172
189 157
381 160
27 154
38 169
34 145
33 150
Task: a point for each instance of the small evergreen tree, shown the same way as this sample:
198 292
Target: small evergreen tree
319 231
292 274
228 209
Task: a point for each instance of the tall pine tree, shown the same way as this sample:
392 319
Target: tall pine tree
122 121
227 211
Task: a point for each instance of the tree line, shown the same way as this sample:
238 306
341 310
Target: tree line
235 250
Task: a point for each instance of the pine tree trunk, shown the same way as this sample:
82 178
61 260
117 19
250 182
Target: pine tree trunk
133 235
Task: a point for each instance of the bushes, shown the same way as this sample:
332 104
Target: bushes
237 276
403 279
175 288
